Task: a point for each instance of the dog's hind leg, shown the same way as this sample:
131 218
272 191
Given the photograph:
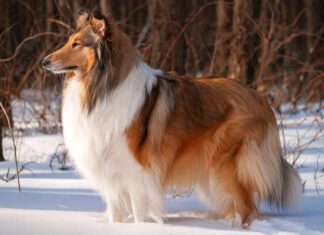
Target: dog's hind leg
211 193
234 199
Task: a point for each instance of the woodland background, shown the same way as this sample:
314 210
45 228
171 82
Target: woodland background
273 46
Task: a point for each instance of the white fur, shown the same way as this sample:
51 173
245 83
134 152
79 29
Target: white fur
261 164
99 148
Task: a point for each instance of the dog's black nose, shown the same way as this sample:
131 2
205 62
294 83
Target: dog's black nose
46 62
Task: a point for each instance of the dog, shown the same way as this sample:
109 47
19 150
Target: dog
137 132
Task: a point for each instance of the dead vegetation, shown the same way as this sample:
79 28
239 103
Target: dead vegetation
276 47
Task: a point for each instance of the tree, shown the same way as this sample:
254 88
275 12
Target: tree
1 148
273 46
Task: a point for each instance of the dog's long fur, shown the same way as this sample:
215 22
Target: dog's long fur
134 131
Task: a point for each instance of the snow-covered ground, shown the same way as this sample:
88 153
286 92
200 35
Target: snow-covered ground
53 201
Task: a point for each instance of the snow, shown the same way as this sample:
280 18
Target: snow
53 201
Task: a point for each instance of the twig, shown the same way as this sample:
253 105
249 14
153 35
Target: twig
283 135
23 167
300 148
317 187
183 29
23 42
14 145
143 34
7 29
59 22
62 160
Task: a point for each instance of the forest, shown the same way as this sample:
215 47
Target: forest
273 46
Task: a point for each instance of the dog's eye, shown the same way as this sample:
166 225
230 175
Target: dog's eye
75 44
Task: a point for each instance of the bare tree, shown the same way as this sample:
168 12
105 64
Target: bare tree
273 46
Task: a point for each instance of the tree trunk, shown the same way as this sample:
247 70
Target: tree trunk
5 103
3 120
1 149
105 7
219 62
312 19
237 62
167 19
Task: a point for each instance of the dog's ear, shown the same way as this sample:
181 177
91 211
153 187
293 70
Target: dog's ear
98 25
81 19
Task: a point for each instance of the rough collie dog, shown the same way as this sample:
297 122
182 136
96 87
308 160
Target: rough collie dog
136 132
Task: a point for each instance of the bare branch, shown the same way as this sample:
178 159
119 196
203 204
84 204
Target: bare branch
14 145
18 48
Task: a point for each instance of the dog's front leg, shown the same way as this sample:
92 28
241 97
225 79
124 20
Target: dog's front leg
114 211
138 204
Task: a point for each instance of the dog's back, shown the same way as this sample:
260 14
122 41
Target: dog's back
218 136
133 131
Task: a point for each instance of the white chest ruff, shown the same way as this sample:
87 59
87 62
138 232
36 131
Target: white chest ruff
97 143
96 140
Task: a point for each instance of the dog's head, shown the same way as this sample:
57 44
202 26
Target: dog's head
98 52
82 48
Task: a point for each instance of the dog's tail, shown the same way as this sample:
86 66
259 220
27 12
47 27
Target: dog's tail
264 170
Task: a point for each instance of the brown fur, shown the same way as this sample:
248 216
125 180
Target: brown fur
212 134
199 136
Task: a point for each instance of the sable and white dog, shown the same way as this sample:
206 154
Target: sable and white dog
134 131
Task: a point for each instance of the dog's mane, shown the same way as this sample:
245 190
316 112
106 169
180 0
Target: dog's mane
114 59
